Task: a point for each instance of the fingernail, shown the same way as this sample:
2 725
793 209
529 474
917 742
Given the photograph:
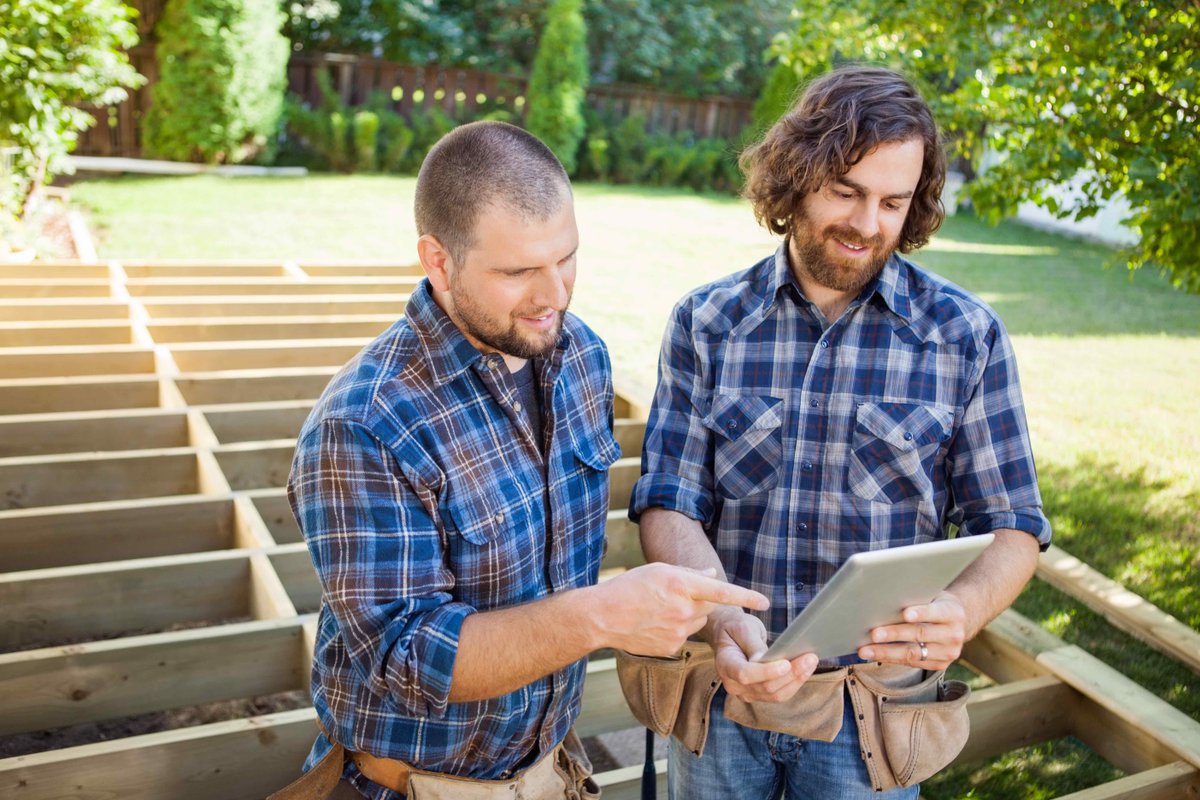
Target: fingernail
868 653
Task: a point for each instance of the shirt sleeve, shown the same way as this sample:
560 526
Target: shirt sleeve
990 465
677 469
379 557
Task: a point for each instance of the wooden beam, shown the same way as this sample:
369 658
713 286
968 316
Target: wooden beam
206 357
85 478
81 683
197 287
64 308
1130 727
622 476
136 271
50 362
44 538
624 542
49 271
50 395
256 465
122 598
1125 610
58 333
1019 714
1168 782
1006 650
340 270
626 783
276 513
604 707
40 288
629 434
210 389
278 421
88 432
268 328
259 306
295 570
244 759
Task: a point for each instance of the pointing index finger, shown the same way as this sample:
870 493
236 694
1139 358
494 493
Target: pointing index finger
714 591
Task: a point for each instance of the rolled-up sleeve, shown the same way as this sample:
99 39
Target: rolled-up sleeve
990 461
677 470
379 557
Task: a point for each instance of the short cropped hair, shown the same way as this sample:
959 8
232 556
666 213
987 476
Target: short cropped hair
479 164
840 118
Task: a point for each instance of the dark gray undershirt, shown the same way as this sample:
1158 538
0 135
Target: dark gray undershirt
527 392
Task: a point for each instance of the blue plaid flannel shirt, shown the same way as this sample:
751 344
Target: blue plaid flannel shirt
797 445
421 492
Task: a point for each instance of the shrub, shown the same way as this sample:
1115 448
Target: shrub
55 55
628 146
223 73
777 96
558 81
366 140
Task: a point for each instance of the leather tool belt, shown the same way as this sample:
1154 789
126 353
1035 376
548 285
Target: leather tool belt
562 774
911 722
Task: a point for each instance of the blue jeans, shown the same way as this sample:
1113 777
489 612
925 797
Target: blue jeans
749 764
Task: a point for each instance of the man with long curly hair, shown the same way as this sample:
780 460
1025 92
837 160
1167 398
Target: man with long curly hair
831 399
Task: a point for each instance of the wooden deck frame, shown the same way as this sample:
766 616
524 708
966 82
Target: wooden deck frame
153 472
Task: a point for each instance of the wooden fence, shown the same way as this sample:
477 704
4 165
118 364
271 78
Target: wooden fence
461 93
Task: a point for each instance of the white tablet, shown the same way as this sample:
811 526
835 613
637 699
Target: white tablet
873 589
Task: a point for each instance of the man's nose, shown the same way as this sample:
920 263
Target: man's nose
865 219
551 291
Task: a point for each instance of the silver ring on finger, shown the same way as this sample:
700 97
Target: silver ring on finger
924 651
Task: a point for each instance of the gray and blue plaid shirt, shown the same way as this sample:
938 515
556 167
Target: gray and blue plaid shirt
423 494
797 445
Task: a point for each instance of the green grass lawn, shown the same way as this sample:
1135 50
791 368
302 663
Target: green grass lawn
1110 366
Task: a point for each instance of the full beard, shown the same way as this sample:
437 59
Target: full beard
835 272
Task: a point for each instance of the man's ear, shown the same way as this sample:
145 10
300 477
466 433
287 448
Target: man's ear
435 260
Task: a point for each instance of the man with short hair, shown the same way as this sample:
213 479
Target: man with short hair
832 399
451 484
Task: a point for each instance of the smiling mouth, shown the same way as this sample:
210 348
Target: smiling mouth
857 248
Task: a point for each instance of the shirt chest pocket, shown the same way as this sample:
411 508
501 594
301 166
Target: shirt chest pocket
748 443
894 450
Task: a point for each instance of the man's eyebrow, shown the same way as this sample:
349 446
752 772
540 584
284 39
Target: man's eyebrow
862 190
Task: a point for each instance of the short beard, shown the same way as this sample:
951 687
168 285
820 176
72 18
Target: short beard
508 341
814 258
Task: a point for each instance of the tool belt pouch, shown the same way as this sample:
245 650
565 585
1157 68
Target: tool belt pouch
671 695
911 723
813 712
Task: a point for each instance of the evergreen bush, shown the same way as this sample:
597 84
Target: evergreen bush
558 82
219 98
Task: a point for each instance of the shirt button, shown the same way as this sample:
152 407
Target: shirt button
803 526
732 425
824 344
516 406
814 403
800 585
499 518
908 436
807 465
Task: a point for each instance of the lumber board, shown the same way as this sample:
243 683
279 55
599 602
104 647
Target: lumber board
122 598
39 435
45 538
604 707
58 333
205 357
276 513
1124 609
242 759
1152 732
339 270
64 308
295 570
56 480
141 271
34 288
52 395
629 434
622 475
186 287
626 783
58 361
71 685
49 271
1015 715
1168 782
623 540
258 306
256 465
277 421
251 386
264 329
1006 650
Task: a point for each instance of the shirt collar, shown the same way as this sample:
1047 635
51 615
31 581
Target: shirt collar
447 351
890 286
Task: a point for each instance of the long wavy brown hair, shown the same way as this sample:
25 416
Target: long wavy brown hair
841 117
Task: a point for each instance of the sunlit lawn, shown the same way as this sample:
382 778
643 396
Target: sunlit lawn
1110 367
